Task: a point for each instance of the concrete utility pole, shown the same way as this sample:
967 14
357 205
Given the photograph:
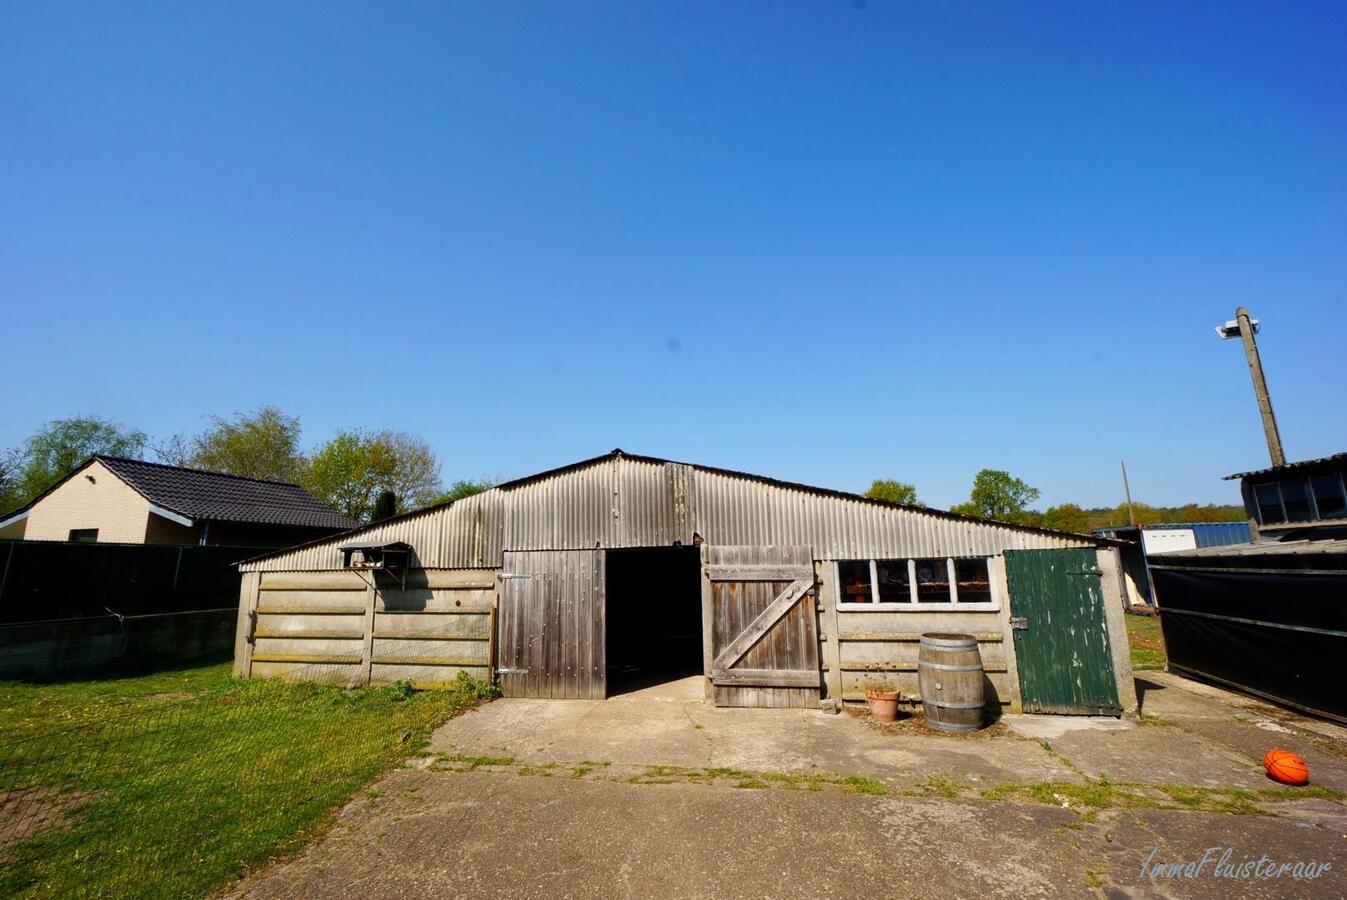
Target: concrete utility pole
1127 489
1245 328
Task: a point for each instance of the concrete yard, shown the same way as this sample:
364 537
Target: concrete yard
656 794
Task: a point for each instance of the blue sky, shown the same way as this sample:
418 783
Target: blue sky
817 241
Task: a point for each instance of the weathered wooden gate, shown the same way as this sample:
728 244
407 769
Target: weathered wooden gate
550 625
1061 632
760 625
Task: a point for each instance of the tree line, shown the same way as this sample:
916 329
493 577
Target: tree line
367 475
996 494
370 475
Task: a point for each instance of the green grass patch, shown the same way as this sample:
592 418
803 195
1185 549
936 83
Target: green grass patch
1098 794
864 784
1147 643
1308 792
940 786
174 784
33 708
461 763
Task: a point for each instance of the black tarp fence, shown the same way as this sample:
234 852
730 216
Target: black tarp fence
1271 625
42 580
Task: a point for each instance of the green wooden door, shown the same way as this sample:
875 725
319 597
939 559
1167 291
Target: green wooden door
1061 633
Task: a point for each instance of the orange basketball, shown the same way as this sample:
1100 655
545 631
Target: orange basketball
1286 767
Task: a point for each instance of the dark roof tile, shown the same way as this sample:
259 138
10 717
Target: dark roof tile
214 496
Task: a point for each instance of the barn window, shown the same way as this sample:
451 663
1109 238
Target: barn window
854 577
84 535
973 583
911 584
895 581
933 581
1328 496
1269 499
1296 500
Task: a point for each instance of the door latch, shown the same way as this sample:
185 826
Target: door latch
1019 623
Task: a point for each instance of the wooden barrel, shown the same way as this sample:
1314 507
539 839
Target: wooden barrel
949 671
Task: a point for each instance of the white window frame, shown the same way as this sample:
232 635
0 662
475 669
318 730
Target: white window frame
913 605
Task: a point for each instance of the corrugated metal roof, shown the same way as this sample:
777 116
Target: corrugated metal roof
1334 459
1265 548
622 500
1206 534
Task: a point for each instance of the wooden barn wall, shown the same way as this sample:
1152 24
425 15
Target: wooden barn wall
623 502
879 646
346 627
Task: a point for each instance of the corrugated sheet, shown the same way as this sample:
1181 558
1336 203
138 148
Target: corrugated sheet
1205 534
1220 534
1337 459
624 501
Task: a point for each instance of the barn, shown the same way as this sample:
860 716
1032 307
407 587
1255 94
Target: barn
619 571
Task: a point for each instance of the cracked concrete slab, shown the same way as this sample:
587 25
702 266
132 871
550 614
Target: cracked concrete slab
864 811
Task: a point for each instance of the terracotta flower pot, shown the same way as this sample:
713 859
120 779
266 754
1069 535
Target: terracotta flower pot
883 705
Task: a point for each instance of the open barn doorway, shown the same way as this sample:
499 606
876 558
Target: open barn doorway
654 618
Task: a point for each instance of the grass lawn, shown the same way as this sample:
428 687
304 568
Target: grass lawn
1148 644
173 784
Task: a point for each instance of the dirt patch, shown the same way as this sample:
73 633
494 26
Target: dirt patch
914 724
29 812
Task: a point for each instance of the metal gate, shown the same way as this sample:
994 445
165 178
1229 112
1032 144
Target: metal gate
760 626
1061 632
550 625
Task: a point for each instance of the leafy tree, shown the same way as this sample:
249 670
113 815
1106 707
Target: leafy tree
11 463
355 468
463 488
385 506
893 492
174 450
264 444
999 495
1067 517
55 449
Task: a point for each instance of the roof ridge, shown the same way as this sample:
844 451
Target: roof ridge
158 465
619 453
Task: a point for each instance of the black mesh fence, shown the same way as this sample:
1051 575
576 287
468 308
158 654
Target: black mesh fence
42 580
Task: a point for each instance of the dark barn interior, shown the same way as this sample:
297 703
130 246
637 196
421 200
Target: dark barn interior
654 616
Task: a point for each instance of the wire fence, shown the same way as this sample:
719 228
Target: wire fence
59 648
176 796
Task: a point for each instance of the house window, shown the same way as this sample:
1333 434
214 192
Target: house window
973 581
84 535
1328 496
1268 497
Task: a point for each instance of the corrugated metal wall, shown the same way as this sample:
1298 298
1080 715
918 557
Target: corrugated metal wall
1220 534
619 501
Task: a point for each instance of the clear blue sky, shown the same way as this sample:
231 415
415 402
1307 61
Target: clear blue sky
814 240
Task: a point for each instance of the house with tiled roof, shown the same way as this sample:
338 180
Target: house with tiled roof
108 499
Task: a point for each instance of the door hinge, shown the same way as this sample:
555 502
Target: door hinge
506 670
505 575
1088 572
1019 623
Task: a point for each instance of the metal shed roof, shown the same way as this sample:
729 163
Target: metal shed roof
1335 459
628 500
